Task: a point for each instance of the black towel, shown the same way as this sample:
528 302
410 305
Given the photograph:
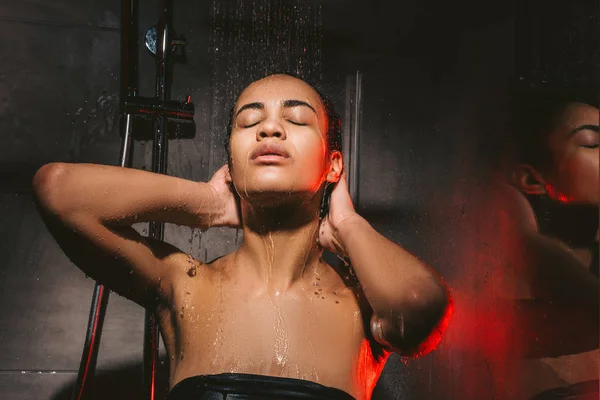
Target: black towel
252 387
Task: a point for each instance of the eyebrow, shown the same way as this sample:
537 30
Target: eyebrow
286 104
297 103
594 128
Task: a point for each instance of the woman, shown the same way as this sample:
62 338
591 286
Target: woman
557 175
272 318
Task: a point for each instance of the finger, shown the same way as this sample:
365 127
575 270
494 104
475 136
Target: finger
341 180
227 172
342 184
219 172
341 194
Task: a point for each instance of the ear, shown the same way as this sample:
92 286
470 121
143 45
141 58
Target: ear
336 167
528 180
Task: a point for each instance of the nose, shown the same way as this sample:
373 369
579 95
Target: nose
271 128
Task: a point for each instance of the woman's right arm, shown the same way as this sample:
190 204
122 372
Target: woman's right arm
89 209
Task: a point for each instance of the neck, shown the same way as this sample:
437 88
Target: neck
574 224
280 243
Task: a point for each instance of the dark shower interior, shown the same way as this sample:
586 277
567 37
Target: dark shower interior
434 83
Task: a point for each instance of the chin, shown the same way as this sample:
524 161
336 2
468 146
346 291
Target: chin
280 185
263 191
584 198
273 195
578 201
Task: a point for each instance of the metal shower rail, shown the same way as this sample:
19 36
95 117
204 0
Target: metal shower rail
162 109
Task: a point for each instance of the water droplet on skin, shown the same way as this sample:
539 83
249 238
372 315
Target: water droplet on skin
193 266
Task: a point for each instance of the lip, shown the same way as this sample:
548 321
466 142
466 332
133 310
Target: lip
269 151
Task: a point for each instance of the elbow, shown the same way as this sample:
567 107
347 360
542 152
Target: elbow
436 323
48 187
423 324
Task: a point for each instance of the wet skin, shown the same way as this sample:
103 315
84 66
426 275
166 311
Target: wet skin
224 318
272 307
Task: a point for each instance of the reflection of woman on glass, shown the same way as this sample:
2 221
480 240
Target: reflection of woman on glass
557 170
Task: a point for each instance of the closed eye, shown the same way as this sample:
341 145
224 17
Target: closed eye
296 123
589 137
251 125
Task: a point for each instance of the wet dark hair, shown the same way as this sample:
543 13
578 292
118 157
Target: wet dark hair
333 135
535 112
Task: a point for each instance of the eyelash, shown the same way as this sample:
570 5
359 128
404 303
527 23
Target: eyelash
291 122
296 123
590 146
